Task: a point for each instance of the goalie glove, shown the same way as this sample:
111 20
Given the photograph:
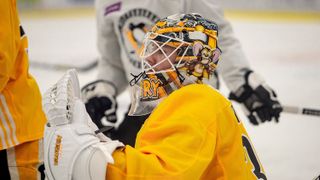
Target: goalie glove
258 99
72 149
100 102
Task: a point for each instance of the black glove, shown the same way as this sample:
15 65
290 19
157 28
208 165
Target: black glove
100 102
259 100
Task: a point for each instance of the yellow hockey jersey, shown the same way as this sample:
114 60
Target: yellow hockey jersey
21 116
192 134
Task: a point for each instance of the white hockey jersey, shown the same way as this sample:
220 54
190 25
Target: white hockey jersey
122 24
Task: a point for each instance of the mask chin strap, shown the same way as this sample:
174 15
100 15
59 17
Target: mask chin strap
180 76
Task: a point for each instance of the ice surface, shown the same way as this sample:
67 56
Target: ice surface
287 54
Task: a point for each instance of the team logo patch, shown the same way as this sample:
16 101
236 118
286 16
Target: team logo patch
133 25
150 88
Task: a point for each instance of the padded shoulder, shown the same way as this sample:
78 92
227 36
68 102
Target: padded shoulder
197 101
203 92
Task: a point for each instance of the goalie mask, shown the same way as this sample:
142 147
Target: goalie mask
179 50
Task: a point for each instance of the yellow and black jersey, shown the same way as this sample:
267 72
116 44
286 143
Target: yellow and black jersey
192 134
21 116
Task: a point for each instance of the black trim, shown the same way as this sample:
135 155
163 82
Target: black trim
22 33
4 169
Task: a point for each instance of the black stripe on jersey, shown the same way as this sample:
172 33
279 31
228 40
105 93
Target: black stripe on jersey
235 114
257 171
22 33
41 170
4 170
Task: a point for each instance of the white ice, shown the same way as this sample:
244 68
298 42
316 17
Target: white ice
287 54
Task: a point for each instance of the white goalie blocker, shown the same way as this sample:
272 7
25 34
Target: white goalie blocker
72 149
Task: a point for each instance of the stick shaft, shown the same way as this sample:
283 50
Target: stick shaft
301 110
64 67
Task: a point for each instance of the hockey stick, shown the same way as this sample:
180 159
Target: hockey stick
301 110
64 67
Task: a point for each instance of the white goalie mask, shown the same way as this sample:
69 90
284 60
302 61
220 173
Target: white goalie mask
162 53
180 50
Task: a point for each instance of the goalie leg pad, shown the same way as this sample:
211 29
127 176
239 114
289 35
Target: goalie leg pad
63 146
92 162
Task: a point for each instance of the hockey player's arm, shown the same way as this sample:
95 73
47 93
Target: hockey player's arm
110 66
175 142
72 149
259 101
8 46
100 95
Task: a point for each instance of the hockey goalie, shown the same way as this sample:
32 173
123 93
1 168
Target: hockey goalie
192 132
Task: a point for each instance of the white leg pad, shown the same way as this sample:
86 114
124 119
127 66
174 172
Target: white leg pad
92 162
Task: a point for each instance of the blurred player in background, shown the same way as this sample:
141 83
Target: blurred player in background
121 28
21 118
192 132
